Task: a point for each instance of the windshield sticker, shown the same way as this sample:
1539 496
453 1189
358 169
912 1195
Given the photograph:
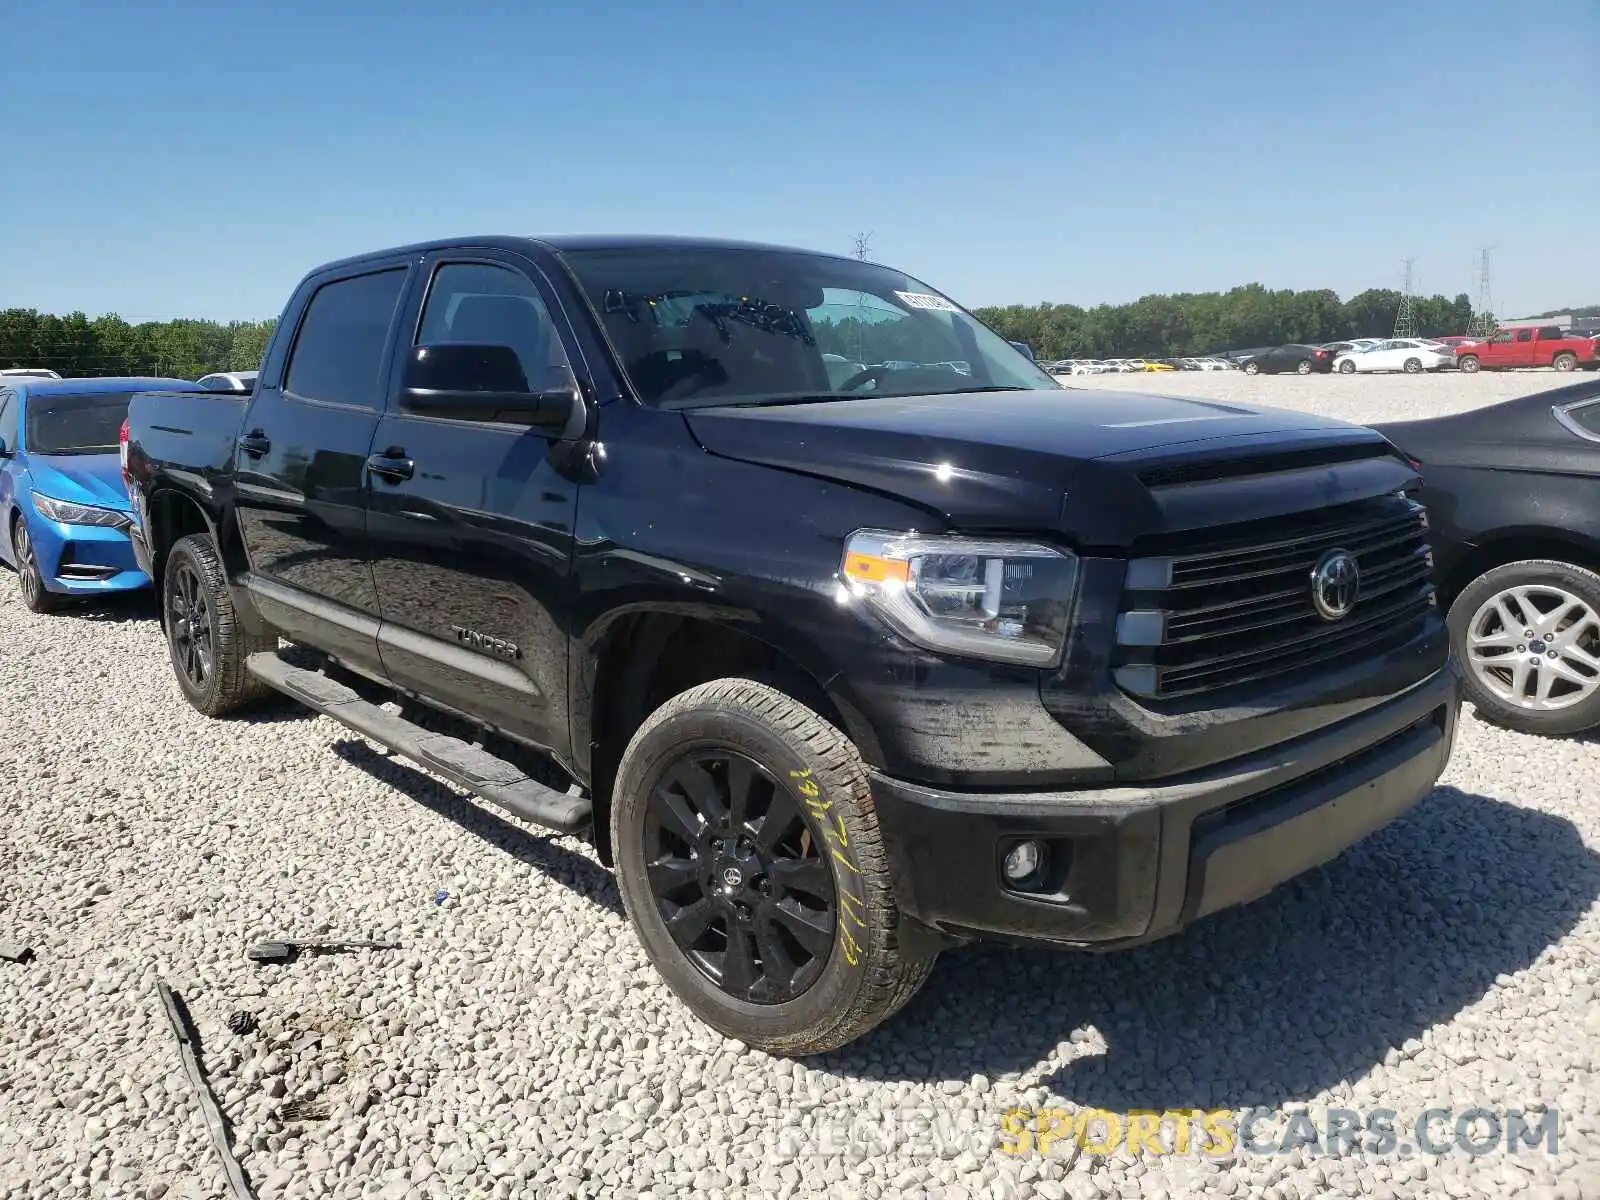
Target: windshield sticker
924 300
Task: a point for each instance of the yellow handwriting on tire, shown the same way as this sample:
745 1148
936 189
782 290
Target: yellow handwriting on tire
834 831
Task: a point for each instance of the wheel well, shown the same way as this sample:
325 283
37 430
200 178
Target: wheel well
1514 549
649 658
172 516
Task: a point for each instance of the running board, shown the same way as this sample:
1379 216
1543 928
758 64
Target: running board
496 780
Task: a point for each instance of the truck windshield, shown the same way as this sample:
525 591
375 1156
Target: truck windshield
696 327
90 423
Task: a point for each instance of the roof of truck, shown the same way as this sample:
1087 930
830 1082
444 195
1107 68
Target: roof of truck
572 241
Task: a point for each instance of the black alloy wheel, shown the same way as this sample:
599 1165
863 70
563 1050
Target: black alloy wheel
742 885
189 626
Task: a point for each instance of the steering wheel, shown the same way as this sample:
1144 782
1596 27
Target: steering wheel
870 375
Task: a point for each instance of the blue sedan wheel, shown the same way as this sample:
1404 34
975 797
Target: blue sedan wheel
34 594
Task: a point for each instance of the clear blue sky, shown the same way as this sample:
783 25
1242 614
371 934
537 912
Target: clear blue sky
180 157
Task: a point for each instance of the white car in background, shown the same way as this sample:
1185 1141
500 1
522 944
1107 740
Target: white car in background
1411 355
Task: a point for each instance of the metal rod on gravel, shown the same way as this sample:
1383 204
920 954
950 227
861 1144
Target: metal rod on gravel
177 1014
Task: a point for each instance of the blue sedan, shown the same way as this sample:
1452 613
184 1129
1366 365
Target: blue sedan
64 512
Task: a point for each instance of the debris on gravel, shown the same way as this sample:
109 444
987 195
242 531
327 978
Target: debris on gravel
519 1043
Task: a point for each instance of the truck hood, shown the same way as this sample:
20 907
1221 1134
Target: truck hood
1099 466
80 478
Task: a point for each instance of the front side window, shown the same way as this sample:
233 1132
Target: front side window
8 420
1525 335
339 353
62 423
699 327
476 304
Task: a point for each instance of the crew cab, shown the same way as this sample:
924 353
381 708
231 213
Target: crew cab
1548 346
836 671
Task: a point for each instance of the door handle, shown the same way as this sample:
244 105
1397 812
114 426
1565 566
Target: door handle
255 443
392 465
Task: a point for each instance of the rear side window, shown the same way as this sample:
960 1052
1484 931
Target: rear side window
9 406
1551 333
1588 417
339 353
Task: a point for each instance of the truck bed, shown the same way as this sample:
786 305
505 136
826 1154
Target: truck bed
187 431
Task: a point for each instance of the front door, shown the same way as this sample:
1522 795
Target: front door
10 426
1498 351
300 468
471 522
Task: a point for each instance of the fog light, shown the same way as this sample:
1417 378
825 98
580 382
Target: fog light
1022 862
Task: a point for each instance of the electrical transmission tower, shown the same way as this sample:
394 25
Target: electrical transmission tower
863 246
1405 321
1483 322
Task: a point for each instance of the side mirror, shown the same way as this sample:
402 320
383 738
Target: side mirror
5 450
486 383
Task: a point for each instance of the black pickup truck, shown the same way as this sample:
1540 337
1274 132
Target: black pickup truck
846 631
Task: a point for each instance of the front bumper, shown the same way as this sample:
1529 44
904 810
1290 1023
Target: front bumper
85 560
1131 864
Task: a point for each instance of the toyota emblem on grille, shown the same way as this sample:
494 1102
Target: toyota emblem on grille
1335 582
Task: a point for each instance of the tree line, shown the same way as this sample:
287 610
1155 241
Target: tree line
1195 323
75 345
1154 326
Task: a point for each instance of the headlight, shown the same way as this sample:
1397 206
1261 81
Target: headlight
69 513
999 600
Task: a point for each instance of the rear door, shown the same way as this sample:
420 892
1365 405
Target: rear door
300 462
1524 349
472 521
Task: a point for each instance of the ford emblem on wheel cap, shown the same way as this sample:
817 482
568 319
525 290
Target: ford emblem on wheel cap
1335 582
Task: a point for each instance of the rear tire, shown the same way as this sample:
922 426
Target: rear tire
1565 361
1347 367
1499 679
1413 366
205 641
1469 363
687 849
1303 367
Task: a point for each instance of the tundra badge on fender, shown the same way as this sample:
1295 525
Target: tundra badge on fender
486 643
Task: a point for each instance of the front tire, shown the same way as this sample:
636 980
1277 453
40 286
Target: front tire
1413 366
1252 368
30 580
1527 637
205 640
751 864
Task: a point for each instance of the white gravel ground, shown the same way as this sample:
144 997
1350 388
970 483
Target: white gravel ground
519 1044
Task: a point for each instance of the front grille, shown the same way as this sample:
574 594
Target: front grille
1239 608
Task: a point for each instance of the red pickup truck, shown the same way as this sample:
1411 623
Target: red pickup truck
1548 346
